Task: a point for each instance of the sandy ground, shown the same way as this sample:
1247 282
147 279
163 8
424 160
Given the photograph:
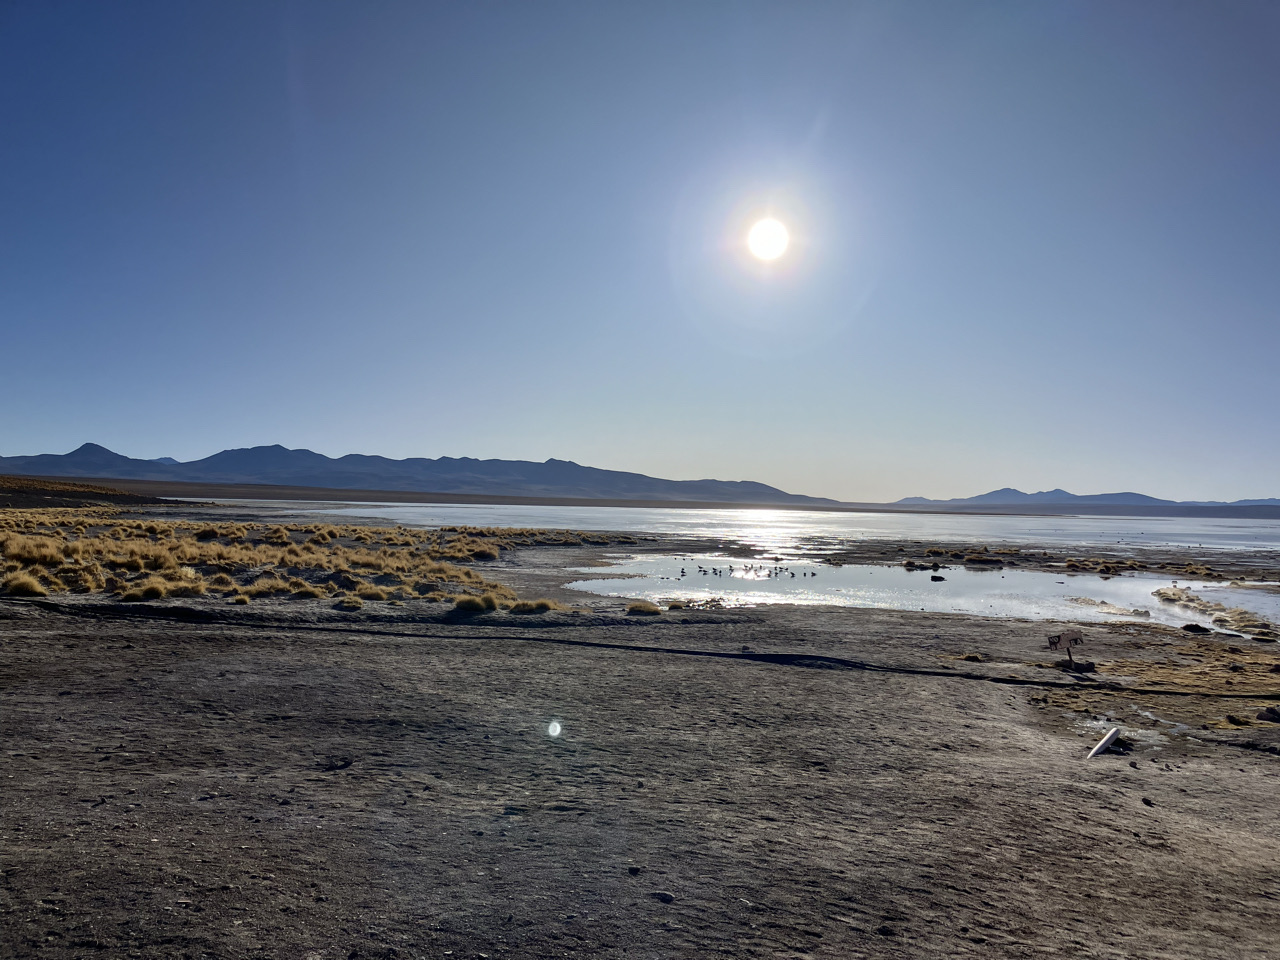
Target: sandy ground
188 779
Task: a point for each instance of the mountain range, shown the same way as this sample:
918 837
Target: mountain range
1007 496
278 466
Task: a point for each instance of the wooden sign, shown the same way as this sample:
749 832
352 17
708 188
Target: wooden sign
1067 638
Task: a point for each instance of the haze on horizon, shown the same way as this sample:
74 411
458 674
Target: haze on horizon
1030 245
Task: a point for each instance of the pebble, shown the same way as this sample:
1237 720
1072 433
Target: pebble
664 896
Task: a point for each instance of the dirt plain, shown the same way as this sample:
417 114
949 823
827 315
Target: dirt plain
191 779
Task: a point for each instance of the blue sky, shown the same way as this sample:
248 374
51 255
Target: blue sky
1035 245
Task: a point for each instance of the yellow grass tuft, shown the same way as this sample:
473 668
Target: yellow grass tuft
643 608
537 606
469 604
32 550
22 585
153 588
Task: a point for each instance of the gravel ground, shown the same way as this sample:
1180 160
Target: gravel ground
285 781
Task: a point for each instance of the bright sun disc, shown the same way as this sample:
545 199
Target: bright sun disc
768 239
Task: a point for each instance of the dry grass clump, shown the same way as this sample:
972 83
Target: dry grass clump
152 588
349 603
157 588
32 550
368 591
537 606
469 604
267 586
22 585
643 608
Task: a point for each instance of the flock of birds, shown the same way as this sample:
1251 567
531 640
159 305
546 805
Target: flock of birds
749 571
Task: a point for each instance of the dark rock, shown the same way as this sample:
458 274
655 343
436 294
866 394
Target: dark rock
885 930
1195 628
1236 721
634 871
1148 801
1270 714
936 579
1134 764
664 896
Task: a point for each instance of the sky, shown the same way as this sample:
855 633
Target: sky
1033 244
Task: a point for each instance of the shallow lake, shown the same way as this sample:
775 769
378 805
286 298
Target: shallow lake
793 533
992 593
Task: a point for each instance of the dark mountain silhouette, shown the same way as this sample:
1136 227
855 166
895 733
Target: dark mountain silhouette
277 465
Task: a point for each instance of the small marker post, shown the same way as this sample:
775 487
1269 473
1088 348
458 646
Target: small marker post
1104 743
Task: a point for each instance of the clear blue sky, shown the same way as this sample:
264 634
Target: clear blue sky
1036 244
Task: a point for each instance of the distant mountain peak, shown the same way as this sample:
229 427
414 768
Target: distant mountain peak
1011 496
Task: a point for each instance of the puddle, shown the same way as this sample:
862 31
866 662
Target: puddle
989 593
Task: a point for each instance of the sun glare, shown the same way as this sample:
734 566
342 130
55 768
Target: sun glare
768 239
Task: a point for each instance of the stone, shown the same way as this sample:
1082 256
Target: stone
663 896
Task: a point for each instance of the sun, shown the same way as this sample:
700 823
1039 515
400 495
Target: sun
768 239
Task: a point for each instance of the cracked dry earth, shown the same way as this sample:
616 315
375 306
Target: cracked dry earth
256 785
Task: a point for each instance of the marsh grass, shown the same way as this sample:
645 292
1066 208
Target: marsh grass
643 608
96 550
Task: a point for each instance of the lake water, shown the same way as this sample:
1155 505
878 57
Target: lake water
991 593
798 533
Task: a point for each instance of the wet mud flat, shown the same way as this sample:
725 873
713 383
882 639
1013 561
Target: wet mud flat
195 780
